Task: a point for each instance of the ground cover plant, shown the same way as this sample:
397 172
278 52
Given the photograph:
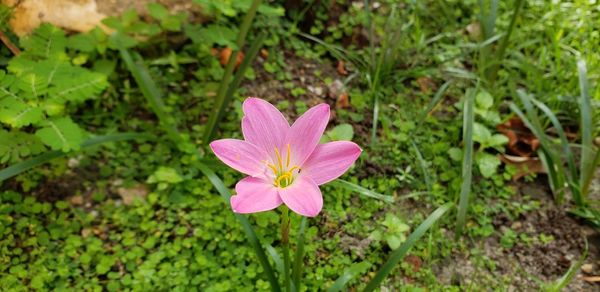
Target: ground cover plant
437 146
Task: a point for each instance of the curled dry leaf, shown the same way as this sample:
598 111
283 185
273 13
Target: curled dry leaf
225 54
521 141
524 165
343 100
341 69
264 53
77 15
426 84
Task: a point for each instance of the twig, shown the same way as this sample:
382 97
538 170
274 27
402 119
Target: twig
9 44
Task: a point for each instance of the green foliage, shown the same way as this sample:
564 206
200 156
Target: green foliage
36 91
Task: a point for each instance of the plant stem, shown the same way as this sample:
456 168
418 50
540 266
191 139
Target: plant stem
14 49
285 242
222 100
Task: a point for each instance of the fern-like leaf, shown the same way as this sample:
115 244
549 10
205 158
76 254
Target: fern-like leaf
33 85
17 114
78 86
61 134
16 145
47 41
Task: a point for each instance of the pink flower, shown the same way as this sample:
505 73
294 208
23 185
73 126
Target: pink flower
284 164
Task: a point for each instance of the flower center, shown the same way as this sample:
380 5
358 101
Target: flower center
283 174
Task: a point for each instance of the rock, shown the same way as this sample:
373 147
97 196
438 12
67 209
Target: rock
587 268
336 88
130 194
77 15
76 200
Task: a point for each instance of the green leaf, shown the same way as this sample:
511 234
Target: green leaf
18 114
46 41
343 132
481 134
157 11
48 156
349 274
400 252
16 145
165 174
484 100
455 153
214 34
497 140
487 163
61 134
365 192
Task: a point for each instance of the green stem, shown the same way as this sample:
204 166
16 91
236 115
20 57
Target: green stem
222 100
298 258
285 242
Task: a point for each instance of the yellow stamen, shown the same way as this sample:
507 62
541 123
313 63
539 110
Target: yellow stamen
278 159
287 164
287 176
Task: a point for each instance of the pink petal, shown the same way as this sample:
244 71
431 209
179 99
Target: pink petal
330 160
303 196
263 125
240 155
254 195
306 132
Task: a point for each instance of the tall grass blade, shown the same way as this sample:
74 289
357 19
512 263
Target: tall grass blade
250 234
30 163
423 166
275 257
435 101
467 163
566 148
551 160
400 252
561 283
349 273
493 71
239 74
149 90
221 101
365 192
587 152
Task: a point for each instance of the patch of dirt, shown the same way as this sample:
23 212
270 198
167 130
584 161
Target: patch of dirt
529 264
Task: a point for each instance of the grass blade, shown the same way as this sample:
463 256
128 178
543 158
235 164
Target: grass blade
563 281
587 151
250 234
365 192
299 256
467 163
149 90
276 258
46 157
423 166
400 252
435 101
221 101
572 178
349 274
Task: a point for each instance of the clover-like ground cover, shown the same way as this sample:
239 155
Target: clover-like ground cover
137 215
